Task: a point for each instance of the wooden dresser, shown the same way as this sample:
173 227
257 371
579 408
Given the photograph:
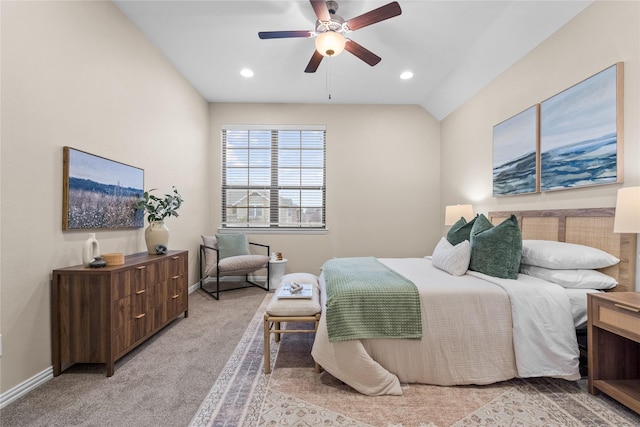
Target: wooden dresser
100 314
614 346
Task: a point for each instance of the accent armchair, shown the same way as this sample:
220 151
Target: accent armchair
230 255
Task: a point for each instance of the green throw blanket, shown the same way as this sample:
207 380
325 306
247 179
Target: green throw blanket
366 299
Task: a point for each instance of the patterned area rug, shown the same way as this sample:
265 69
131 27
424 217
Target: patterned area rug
294 395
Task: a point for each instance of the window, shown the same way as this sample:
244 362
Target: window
273 177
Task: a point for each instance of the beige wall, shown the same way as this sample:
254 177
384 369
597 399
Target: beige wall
80 74
382 179
605 33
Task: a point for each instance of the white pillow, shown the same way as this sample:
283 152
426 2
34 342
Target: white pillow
452 259
575 279
564 256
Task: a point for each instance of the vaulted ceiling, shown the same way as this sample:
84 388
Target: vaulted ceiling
453 48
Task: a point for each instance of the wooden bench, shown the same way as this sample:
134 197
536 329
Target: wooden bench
291 310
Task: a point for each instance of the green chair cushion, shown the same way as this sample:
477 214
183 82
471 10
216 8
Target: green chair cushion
232 245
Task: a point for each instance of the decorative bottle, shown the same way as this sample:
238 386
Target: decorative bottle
90 250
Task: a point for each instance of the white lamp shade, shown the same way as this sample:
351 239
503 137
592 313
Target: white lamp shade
627 218
330 43
454 212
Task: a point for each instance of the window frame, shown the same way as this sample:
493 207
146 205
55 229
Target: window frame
274 189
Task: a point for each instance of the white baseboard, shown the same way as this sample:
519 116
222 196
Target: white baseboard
25 387
44 376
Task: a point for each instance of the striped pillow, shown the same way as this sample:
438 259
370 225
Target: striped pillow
452 259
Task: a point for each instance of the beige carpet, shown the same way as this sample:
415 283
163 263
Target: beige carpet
294 395
160 383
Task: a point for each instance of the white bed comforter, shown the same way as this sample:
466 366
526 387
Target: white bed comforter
544 337
475 331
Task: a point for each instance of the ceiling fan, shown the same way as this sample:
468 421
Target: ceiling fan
330 31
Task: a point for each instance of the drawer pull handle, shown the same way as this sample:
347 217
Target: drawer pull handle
141 292
175 296
635 310
140 316
142 267
175 257
176 277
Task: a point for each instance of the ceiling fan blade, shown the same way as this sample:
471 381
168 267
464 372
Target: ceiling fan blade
314 63
283 34
362 53
376 15
321 9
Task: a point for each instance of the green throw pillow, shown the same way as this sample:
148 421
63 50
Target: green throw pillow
460 231
232 245
496 251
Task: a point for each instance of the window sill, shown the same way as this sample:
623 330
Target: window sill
256 230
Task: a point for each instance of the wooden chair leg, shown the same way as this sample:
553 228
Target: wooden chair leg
267 345
276 325
317 367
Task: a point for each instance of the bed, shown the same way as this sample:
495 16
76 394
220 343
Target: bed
477 329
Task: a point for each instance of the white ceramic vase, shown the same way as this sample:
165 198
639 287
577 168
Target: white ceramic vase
156 234
90 249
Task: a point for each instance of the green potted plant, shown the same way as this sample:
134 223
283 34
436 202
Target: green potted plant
157 209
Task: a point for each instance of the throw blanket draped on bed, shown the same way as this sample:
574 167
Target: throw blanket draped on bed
366 299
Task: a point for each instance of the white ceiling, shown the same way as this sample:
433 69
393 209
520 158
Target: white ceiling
454 48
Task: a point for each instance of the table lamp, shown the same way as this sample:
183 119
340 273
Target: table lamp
627 219
453 213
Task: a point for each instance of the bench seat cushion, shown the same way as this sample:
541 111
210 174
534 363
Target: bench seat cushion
296 307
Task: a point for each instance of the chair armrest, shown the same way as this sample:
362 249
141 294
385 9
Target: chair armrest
203 248
264 246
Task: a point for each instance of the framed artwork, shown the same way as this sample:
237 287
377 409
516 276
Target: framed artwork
581 133
515 148
99 193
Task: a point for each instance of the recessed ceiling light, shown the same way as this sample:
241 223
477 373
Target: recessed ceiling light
246 72
406 75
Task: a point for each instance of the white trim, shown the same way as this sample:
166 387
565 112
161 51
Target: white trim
274 127
25 387
256 230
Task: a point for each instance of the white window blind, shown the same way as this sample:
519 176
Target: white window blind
273 177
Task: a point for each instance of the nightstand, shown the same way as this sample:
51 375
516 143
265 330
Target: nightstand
614 346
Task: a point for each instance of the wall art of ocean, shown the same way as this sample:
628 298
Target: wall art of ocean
583 163
516 176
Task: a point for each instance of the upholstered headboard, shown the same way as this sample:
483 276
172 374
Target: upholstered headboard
590 227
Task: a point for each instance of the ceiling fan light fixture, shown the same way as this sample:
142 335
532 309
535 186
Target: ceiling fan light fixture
330 43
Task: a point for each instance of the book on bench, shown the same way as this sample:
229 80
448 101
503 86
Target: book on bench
287 293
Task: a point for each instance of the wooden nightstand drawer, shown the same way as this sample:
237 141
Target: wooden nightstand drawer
621 316
619 319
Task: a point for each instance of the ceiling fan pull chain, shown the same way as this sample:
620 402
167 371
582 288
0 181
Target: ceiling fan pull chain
327 77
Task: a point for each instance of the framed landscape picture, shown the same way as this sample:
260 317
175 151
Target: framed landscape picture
99 193
581 133
515 148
